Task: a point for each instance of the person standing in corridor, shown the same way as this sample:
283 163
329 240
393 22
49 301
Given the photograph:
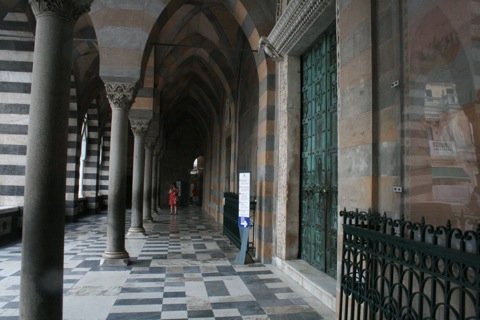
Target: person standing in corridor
173 198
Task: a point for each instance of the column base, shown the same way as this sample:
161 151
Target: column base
115 259
150 219
135 232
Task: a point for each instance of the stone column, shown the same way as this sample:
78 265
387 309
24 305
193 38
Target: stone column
139 129
121 97
41 282
155 181
147 181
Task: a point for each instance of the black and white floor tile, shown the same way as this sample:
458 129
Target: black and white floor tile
182 269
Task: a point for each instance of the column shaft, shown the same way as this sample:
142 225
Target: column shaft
41 283
139 129
137 185
121 97
117 188
147 196
154 182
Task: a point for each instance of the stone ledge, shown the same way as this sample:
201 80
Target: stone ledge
311 279
7 209
10 224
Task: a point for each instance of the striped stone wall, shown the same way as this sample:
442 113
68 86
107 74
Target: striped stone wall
104 164
370 61
215 177
387 116
73 154
355 105
356 182
89 202
253 29
90 179
16 61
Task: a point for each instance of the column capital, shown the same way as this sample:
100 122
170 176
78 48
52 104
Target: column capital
121 95
150 142
139 127
69 10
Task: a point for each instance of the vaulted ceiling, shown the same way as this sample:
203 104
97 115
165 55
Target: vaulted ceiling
187 53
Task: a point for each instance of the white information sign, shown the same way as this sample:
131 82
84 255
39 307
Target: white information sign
244 194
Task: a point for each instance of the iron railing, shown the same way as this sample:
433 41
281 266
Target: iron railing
398 269
230 218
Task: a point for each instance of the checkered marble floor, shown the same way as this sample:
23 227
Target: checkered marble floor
182 269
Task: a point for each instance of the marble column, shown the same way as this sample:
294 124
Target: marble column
147 181
139 129
41 279
154 182
121 97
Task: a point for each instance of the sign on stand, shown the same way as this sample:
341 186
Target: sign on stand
244 200
243 214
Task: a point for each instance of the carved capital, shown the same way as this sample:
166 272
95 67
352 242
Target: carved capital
139 127
70 10
121 95
150 143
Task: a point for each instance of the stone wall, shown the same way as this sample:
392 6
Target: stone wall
16 61
92 166
104 165
73 157
388 91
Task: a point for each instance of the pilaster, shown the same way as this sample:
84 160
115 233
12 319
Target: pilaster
288 162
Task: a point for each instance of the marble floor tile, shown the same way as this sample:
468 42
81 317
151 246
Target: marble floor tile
181 269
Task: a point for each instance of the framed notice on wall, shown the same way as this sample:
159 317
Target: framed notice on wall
244 199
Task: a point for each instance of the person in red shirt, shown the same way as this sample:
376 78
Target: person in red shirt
173 198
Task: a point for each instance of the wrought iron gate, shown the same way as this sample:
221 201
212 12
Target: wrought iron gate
396 269
319 154
230 218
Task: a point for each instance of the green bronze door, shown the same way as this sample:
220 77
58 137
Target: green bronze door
319 154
